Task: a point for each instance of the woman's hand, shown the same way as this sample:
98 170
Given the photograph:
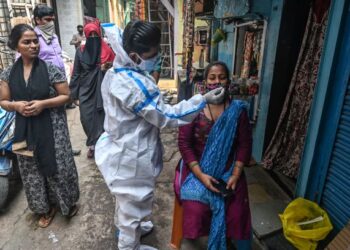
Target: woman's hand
20 107
34 107
232 181
208 181
106 66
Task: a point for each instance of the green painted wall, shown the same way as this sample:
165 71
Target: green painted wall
102 10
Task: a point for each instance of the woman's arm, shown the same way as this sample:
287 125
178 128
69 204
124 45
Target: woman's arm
243 148
186 147
35 107
5 97
5 100
186 143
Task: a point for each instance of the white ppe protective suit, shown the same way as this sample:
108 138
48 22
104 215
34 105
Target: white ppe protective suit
129 152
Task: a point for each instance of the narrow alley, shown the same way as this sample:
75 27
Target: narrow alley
264 83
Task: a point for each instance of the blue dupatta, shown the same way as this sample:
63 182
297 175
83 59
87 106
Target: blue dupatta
213 163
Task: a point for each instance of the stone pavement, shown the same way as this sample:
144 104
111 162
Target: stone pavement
93 227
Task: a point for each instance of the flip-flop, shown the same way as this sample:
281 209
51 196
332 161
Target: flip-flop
46 219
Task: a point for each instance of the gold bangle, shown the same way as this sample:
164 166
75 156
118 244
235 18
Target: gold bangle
192 164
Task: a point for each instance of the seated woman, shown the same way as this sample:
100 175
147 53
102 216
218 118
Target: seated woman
37 92
192 142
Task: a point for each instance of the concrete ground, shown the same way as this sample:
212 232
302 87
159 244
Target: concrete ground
93 227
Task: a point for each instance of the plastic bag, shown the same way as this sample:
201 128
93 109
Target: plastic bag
305 223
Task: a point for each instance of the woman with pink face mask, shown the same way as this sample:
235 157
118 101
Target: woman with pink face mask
192 139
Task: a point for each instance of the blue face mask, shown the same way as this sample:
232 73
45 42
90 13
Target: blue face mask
149 64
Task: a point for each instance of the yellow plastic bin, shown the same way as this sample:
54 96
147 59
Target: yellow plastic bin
305 223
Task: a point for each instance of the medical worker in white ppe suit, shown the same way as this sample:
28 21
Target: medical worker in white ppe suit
129 153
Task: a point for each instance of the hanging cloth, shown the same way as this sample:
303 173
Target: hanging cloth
286 146
248 53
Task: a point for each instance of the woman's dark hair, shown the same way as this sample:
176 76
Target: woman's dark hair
80 26
16 34
218 63
42 10
140 36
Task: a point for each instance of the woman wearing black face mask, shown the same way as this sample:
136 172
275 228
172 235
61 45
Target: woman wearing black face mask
192 142
90 64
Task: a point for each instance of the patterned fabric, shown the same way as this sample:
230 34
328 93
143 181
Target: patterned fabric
213 163
62 189
188 38
286 146
248 53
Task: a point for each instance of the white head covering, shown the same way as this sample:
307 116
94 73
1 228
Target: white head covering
115 39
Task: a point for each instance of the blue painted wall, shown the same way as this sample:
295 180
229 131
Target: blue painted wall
272 34
271 10
262 7
225 48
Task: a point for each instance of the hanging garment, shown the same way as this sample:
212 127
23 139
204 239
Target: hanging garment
255 60
286 146
248 53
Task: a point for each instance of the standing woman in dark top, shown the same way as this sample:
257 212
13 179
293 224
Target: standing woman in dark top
90 64
37 91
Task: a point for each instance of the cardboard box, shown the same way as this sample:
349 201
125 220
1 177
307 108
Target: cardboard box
341 241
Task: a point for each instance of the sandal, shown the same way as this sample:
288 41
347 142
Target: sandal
73 211
46 219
